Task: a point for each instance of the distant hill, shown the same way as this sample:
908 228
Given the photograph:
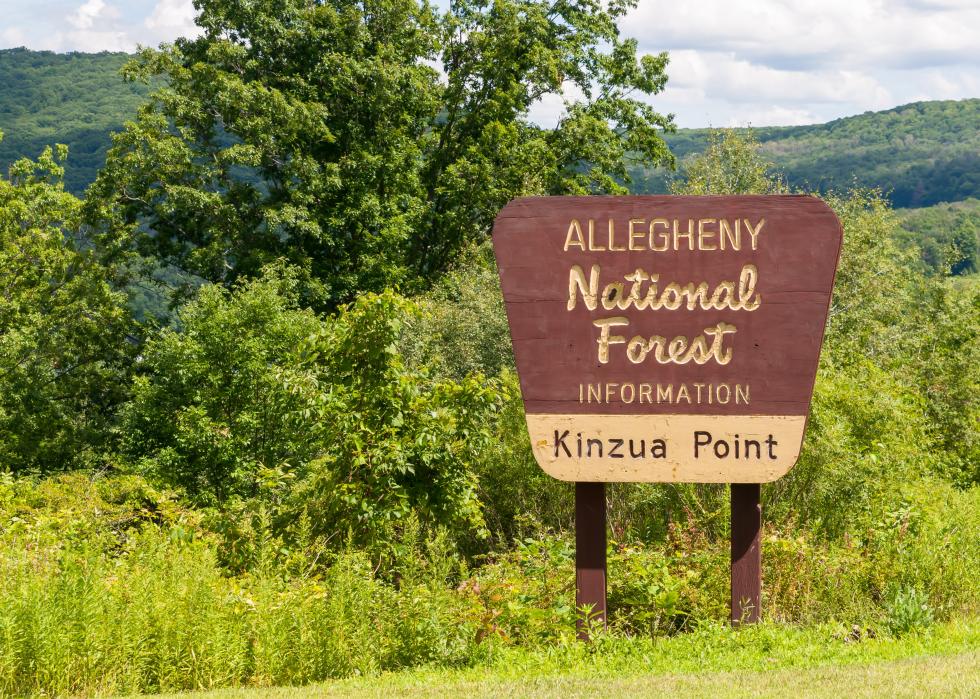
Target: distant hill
922 153
71 98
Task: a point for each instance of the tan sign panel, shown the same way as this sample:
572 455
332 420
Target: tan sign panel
664 338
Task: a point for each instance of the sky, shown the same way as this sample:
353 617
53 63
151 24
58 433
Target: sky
733 62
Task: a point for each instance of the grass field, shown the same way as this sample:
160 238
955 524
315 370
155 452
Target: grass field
935 676
769 661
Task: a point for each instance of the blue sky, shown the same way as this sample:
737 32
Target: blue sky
733 62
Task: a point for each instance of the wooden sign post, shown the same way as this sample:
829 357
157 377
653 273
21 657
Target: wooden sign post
746 553
667 339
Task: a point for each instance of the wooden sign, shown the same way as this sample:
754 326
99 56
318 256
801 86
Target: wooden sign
666 338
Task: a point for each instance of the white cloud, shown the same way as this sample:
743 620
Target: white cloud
549 109
804 61
771 116
88 14
172 18
854 34
95 26
13 36
782 62
725 76
108 25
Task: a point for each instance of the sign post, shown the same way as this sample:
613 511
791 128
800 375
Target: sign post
590 554
667 339
746 553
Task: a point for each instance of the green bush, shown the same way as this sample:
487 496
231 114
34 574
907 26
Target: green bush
908 611
252 397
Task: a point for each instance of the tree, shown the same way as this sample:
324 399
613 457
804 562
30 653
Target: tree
64 353
321 132
731 164
946 234
255 397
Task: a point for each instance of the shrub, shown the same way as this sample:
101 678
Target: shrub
908 611
253 397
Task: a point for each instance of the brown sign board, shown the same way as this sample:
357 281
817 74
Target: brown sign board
667 338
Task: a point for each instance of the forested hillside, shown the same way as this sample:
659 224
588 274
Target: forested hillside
920 154
71 98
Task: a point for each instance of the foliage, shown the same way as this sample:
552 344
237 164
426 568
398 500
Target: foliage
519 499
92 603
873 266
462 328
949 377
109 585
399 441
353 159
947 236
63 331
908 611
527 595
252 396
731 164
73 98
224 402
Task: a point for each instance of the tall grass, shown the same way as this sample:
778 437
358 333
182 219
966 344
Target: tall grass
160 616
94 601
108 587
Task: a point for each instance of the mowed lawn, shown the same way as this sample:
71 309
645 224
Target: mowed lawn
943 663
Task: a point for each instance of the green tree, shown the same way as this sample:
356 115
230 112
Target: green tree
950 375
948 236
320 132
254 397
63 331
731 164
232 398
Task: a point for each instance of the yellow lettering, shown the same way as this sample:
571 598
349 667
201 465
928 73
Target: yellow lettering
725 233
605 338
592 244
636 236
682 394
613 297
704 234
689 234
612 237
718 333
748 300
754 232
610 389
742 393
664 236
574 236
576 282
